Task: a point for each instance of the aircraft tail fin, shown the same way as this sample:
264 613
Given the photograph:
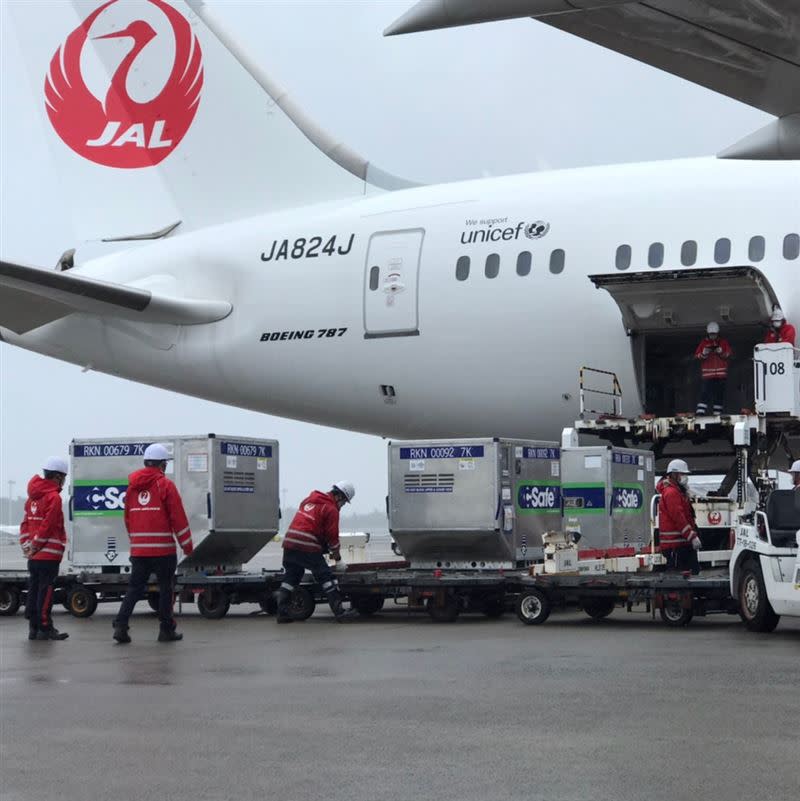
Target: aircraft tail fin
152 113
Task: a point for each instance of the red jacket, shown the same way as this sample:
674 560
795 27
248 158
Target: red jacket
713 364
41 533
786 333
676 522
154 515
315 527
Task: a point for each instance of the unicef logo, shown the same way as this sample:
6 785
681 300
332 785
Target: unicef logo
629 499
536 230
144 498
539 498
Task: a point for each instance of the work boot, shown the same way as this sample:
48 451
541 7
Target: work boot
168 634
340 614
51 634
284 615
121 634
33 630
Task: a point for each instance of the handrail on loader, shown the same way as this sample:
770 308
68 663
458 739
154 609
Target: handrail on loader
615 394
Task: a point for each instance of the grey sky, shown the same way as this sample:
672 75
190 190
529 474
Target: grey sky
487 100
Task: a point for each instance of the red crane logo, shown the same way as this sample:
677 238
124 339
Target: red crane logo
121 132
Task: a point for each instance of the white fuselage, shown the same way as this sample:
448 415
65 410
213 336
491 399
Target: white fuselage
486 355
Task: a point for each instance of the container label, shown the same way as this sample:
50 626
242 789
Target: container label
627 498
100 498
538 497
197 463
627 458
541 453
443 452
584 499
245 449
417 490
99 449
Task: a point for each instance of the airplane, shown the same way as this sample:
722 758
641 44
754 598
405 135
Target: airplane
328 290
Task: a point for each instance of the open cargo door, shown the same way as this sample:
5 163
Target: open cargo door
666 314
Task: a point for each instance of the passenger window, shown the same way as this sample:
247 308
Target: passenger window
557 261
374 273
492 265
757 248
462 268
655 256
791 246
722 251
524 263
688 253
623 260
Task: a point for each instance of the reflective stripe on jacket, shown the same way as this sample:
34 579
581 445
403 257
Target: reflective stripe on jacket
713 364
41 533
154 515
315 527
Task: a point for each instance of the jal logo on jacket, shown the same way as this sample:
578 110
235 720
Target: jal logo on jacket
144 498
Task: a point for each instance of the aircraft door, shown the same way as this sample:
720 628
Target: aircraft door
391 283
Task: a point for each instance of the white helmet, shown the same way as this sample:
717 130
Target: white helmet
777 315
712 328
678 466
55 464
156 453
795 468
346 488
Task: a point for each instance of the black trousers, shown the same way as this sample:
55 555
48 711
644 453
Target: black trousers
712 397
141 569
41 580
295 563
683 559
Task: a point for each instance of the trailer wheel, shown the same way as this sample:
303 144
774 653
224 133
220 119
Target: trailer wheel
10 599
268 604
533 607
153 600
675 615
754 606
446 612
81 601
301 604
213 603
494 606
598 608
366 605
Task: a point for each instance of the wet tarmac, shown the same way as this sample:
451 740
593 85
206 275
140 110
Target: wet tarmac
400 707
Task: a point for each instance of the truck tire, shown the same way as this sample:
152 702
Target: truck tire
598 608
213 603
754 606
533 607
366 605
10 599
446 612
81 601
674 615
302 604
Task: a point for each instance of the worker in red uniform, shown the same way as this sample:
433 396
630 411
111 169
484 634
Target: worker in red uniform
677 530
714 354
155 518
780 330
43 539
313 532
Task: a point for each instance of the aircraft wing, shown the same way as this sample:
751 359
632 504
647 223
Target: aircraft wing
31 297
746 49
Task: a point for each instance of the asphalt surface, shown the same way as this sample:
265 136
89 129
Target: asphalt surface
400 707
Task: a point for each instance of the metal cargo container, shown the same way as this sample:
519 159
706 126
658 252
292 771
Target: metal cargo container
607 495
229 487
473 503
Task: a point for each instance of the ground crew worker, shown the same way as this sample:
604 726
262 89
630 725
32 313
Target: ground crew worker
155 518
314 531
781 330
794 471
677 530
714 354
43 539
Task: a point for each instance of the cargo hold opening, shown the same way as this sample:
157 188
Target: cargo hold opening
665 315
